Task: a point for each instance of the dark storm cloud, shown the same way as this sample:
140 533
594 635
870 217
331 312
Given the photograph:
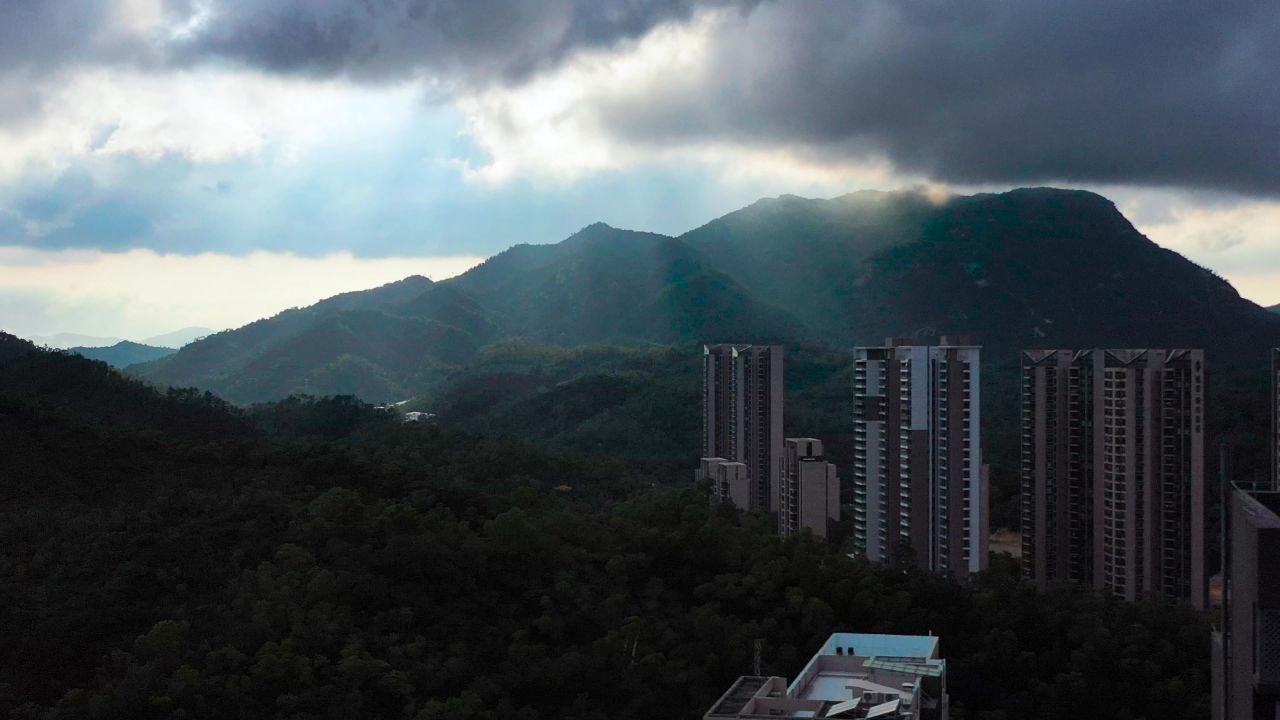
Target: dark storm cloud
1176 93
1165 93
38 38
40 33
449 40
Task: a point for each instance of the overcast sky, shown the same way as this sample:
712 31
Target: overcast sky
166 163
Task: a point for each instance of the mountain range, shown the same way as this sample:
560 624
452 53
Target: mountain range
123 353
1033 267
74 341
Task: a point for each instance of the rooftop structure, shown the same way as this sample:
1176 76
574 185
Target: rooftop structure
856 676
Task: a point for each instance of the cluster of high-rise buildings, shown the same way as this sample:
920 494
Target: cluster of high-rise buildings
1112 460
1112 497
746 457
919 487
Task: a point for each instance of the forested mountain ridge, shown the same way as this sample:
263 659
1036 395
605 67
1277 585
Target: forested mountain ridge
1026 268
179 557
601 284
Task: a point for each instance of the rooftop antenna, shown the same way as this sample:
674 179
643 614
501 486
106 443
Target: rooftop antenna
759 652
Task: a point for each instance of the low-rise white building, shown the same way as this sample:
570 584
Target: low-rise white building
854 676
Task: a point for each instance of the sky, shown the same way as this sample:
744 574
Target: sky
166 163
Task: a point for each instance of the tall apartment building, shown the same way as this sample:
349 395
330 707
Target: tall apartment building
1246 657
810 490
854 676
920 488
1057 466
1113 470
1275 419
742 414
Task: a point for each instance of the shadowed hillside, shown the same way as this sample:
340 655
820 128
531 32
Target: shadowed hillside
1028 268
167 555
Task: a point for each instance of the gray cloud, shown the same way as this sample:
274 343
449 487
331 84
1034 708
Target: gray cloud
468 41
41 33
982 91
453 43
995 91
37 39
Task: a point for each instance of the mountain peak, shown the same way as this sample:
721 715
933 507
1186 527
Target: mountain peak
590 233
123 353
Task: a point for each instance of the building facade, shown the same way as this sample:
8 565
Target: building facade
1246 657
729 482
810 489
1057 466
742 406
920 488
1113 470
1275 419
890 677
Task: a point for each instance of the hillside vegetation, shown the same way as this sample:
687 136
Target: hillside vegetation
169 555
1026 268
591 344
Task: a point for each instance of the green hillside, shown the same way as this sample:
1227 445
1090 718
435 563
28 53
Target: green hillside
1028 268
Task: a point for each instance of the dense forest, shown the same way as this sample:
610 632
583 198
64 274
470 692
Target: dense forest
168 555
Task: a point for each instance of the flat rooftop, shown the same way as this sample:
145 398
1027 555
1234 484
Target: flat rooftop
851 675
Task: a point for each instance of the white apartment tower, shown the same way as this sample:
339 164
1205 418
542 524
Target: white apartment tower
920 487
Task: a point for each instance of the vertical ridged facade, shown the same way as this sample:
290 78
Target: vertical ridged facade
742 403
919 495
1275 419
1113 470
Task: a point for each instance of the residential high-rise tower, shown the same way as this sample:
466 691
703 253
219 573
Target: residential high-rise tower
1246 656
1057 466
920 488
1113 470
1275 419
810 490
742 414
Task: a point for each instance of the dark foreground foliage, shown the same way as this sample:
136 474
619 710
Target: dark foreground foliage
329 562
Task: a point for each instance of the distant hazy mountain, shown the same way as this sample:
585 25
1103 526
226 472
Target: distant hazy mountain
1027 268
68 341
65 341
1274 308
177 338
123 353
